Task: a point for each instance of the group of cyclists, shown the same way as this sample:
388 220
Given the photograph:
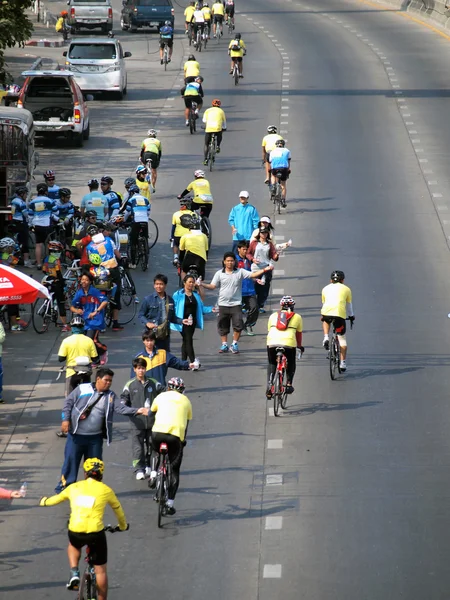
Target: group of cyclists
199 16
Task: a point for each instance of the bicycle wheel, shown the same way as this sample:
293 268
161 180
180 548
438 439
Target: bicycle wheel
165 58
277 394
42 316
153 233
338 354
25 313
212 153
143 252
332 358
161 496
283 400
127 313
126 292
206 229
236 74
83 592
108 315
191 121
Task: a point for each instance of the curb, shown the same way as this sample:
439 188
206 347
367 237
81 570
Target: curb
46 43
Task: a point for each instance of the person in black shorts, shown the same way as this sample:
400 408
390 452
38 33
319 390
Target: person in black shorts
229 10
192 92
166 37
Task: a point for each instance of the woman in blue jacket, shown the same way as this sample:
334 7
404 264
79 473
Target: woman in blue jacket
189 305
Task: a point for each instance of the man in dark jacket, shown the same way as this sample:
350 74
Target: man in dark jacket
140 392
249 299
158 308
87 418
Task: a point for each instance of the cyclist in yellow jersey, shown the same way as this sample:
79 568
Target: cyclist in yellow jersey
88 500
237 50
188 16
173 411
285 331
143 182
218 11
191 69
201 189
177 229
215 122
193 247
268 144
207 13
151 150
336 305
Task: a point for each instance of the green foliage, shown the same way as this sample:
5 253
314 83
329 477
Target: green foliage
15 28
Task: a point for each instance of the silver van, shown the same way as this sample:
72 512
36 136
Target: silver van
98 64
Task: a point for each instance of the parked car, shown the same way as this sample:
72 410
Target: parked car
57 105
146 13
90 14
98 64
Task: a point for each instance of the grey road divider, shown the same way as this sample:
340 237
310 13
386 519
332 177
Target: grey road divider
436 11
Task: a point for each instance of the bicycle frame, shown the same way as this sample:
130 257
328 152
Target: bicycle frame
163 480
279 395
212 149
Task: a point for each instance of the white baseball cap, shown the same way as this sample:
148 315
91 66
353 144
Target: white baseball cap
244 194
265 220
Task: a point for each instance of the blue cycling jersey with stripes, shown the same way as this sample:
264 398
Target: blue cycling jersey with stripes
66 209
19 209
139 207
43 211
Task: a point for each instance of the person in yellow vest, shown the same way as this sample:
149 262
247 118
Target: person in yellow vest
207 13
61 25
151 150
268 144
237 51
143 182
188 16
191 69
215 122
218 11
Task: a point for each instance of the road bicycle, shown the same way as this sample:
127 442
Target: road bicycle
163 481
190 34
127 312
334 350
193 117
45 312
71 279
88 581
127 287
279 384
198 39
235 72
219 32
212 151
230 25
141 249
276 194
24 317
165 56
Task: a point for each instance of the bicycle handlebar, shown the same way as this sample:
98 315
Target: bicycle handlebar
115 528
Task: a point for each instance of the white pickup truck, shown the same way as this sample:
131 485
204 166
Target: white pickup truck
90 14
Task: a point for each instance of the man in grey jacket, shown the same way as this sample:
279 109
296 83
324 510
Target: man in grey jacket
87 419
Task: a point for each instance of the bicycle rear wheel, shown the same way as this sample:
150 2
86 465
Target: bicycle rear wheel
143 252
41 316
191 121
206 229
126 314
283 400
165 59
277 394
236 74
332 358
126 292
153 233
212 153
25 314
161 498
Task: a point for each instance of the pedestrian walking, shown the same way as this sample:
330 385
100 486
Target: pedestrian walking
243 219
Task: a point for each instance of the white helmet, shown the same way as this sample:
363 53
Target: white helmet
199 173
7 242
152 132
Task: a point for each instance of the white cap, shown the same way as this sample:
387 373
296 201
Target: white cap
265 220
244 194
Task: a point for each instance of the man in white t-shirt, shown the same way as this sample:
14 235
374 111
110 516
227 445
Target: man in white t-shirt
229 281
198 22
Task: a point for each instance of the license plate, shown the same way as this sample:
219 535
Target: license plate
90 21
154 23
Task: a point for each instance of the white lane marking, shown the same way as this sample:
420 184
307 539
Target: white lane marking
393 78
406 114
280 272
419 150
274 40
16 445
359 35
401 100
412 131
386 62
280 222
288 62
437 195
399 92
404 107
427 172
442 207
270 35
45 382
285 100
409 122
274 523
164 114
365 40
274 479
284 86
274 444
279 238
272 572
396 87
271 413
433 182
423 160
415 140
284 114
261 26
278 291
284 123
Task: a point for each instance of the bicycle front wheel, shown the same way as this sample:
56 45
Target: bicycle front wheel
191 122
126 292
153 233
332 358
283 399
41 316
236 75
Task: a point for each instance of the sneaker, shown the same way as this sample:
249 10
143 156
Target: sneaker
205 162
241 76
187 32
136 300
1 400
343 366
231 72
326 344
132 266
152 189
269 392
249 330
289 389
27 263
197 365
214 36
262 310
223 348
148 471
22 323
196 111
117 327
218 149
169 60
187 122
65 328
283 203
39 267
170 510
162 62
175 260
16 328
140 475
266 181
234 348
74 580
152 480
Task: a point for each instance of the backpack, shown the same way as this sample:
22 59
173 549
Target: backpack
283 319
236 46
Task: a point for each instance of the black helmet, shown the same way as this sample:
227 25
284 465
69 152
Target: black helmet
191 57
107 179
65 192
195 222
92 230
129 181
89 214
187 202
93 183
237 36
280 143
42 188
134 189
22 189
337 276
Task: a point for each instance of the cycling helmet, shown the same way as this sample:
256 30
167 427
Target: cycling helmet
77 321
49 174
280 143
176 383
216 102
199 173
21 190
199 79
287 302
90 214
191 57
187 202
205 4
92 230
337 276
93 182
64 13
7 242
64 192
167 23
153 132
100 225
186 221
107 179
94 467
134 189
237 36
55 246
141 170
42 188
95 259
129 181
272 129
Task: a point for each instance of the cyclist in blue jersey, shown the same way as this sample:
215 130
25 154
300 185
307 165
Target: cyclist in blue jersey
95 200
192 92
44 213
166 37
113 199
19 212
280 162
138 213
66 212
53 189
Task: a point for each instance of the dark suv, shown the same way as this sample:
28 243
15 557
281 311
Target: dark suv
146 13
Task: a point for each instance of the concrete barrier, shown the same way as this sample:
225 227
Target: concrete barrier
435 11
